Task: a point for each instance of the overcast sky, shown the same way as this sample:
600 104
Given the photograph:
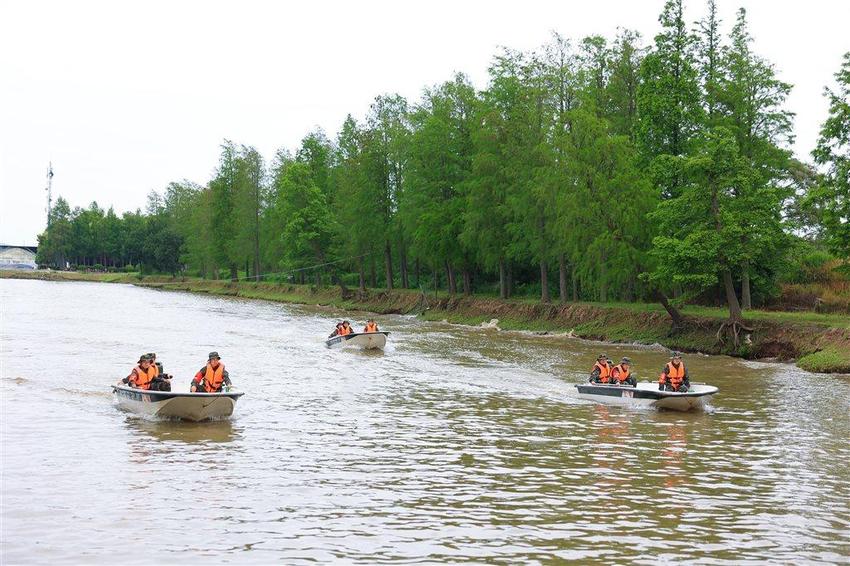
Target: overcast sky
125 96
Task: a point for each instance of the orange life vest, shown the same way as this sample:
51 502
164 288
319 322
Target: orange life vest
622 373
676 375
143 378
343 331
604 371
371 327
213 378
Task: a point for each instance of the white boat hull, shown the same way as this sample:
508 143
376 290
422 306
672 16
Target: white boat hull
646 394
365 340
173 405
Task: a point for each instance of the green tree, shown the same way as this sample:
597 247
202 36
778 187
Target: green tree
435 196
54 244
224 192
700 231
621 90
608 231
304 219
832 196
750 102
353 204
384 157
669 99
248 207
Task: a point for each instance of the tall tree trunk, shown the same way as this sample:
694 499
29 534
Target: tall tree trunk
746 300
467 282
678 321
417 272
247 268
544 283
388 261
405 282
603 279
731 297
450 278
562 277
318 276
630 290
257 228
361 274
575 285
233 273
677 290
510 280
436 280
503 280
373 276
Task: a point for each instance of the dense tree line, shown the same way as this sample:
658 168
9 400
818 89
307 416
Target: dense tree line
622 171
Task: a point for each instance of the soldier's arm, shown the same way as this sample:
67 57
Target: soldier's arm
198 376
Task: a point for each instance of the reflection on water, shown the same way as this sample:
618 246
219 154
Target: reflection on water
673 454
181 431
454 445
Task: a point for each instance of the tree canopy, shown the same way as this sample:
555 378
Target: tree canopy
625 171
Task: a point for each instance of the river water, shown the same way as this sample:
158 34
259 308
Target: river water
456 444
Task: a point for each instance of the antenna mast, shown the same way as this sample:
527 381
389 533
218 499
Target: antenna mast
49 190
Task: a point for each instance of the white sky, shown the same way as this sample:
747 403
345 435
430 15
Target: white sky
126 96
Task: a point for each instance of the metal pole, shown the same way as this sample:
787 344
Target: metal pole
49 191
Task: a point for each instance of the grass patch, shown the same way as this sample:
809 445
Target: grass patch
828 360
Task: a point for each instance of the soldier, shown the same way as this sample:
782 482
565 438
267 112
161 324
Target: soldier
141 375
161 380
674 376
211 377
622 373
601 372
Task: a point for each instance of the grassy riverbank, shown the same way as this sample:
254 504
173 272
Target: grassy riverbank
817 342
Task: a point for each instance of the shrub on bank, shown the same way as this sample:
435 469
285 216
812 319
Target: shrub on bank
828 360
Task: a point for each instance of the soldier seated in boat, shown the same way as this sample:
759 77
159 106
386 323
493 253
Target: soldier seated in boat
674 376
141 375
601 372
345 329
336 330
161 379
621 374
371 326
211 377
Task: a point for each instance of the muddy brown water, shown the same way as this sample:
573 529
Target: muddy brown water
456 444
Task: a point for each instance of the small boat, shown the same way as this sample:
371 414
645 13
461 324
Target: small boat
646 394
365 340
176 405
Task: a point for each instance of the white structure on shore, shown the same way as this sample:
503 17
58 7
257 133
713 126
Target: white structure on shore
17 257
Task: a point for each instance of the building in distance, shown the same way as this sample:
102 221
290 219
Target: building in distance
17 257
